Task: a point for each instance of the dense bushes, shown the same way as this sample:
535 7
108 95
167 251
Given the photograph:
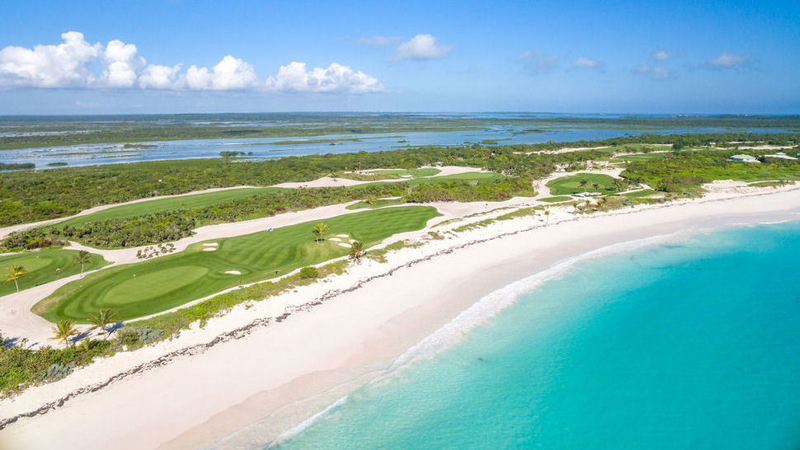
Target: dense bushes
173 225
28 197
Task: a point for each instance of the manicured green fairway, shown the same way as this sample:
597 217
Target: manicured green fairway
640 157
560 198
41 267
169 204
572 184
149 287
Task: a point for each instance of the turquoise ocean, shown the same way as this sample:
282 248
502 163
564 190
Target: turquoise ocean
686 344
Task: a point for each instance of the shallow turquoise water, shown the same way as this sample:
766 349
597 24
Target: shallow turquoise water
688 345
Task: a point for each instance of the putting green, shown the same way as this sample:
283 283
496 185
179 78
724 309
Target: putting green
573 184
173 280
41 267
153 284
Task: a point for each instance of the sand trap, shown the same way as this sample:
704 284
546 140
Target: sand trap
210 249
334 239
232 272
342 235
211 244
345 245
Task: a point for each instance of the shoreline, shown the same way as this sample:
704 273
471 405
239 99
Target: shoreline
275 368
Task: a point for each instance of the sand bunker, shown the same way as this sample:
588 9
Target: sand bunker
345 245
210 244
233 272
210 249
342 235
334 239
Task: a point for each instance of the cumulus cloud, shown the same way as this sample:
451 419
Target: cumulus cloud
155 76
47 66
586 63
421 47
661 55
380 41
122 64
728 61
653 72
229 74
76 63
537 62
294 77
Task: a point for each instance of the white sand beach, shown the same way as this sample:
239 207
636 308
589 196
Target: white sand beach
284 359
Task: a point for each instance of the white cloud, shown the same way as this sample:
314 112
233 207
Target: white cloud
122 64
728 60
380 41
586 63
294 77
653 72
661 55
537 62
155 76
75 63
420 47
229 74
48 66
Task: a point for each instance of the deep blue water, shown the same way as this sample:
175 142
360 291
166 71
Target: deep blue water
674 346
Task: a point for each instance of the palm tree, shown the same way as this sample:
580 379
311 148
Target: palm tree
356 250
83 257
102 319
596 187
547 216
318 231
583 184
14 274
63 330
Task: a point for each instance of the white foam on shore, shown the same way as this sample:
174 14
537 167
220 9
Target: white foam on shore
481 311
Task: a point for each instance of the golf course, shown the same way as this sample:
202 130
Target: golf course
582 182
149 287
43 267
194 201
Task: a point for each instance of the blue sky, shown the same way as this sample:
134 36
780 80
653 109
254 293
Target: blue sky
250 56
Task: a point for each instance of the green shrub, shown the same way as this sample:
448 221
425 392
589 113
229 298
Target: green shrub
309 273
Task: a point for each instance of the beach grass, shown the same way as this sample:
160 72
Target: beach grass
149 287
43 266
572 184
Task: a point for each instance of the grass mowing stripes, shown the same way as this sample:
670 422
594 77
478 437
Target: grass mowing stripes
42 266
195 201
149 287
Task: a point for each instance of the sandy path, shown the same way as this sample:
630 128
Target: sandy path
340 182
320 182
8 230
197 400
